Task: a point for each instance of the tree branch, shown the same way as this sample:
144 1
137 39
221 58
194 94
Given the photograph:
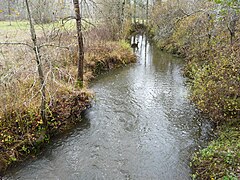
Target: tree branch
54 45
66 19
15 43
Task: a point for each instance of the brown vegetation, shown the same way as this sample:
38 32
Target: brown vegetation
21 126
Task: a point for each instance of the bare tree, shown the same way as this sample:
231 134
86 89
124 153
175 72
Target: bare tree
9 12
135 11
80 43
147 11
123 14
39 66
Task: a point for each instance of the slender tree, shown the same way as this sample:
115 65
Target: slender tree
9 12
147 11
39 66
123 15
135 11
129 6
80 42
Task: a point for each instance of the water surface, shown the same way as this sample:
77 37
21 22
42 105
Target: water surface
142 126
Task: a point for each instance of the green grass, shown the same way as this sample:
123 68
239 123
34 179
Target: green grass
20 25
125 45
19 30
67 25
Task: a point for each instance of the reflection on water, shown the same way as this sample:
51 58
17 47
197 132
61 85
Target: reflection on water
141 126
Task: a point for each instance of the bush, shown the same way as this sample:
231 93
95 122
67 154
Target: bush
221 159
216 84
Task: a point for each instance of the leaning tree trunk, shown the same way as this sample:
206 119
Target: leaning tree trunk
39 66
80 43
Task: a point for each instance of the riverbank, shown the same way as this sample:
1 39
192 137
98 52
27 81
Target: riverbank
215 91
221 158
214 81
22 130
213 70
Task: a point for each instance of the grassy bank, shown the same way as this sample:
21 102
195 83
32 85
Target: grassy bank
221 158
213 69
22 130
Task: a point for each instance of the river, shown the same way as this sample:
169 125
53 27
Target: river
141 126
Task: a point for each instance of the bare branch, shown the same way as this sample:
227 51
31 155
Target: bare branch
54 45
15 43
66 19
88 22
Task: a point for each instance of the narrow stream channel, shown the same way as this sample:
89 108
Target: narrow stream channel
141 127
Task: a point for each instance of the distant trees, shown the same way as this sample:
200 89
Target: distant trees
43 11
9 10
113 13
120 15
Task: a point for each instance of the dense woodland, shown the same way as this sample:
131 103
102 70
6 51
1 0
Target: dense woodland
51 50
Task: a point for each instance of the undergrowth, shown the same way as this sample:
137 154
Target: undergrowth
221 158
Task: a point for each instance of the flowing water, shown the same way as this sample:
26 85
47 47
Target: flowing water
142 126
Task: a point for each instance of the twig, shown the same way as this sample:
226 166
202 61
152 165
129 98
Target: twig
15 43
66 19
53 45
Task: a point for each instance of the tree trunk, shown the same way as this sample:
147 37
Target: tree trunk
232 27
123 16
129 6
39 67
135 12
80 43
9 13
147 12
142 12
